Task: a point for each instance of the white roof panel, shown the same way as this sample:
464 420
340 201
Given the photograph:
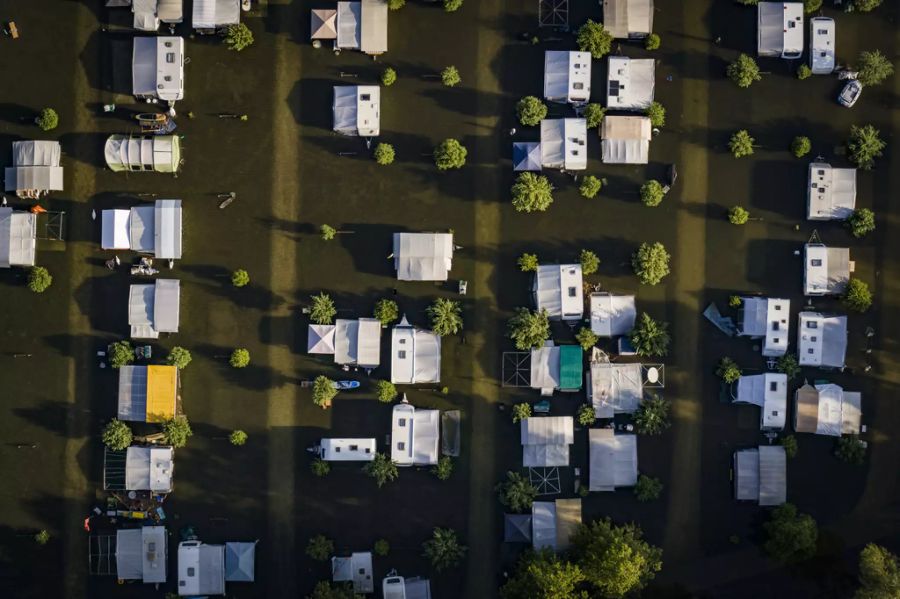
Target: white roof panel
780 29
567 76
831 192
769 392
625 139
630 83
214 14
149 469
18 238
822 340
558 288
545 368
347 450
772 475
543 525
166 307
114 233
628 18
564 144
615 388
142 554
613 460
746 475
612 315
201 569
374 26
821 45
415 355
423 256
168 230
349 25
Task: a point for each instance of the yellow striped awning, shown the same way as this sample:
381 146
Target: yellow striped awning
161 392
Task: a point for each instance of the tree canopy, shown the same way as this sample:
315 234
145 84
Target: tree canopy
179 358
544 575
738 215
593 114
874 67
615 560
389 75
850 449
741 144
862 222
446 316
516 492
651 263
791 536
322 310
590 186
450 76
801 146
384 154
240 278
744 71
787 364
120 354
532 193
530 110
652 193
177 431
594 38
386 311
879 574
652 416
521 411
117 435
325 589
382 469
39 279
528 262
657 114
647 488
319 548
866 5
650 337
728 370
443 549
385 391
323 391
450 154
857 296
586 338
47 120
529 329
240 358
238 37
589 262
865 145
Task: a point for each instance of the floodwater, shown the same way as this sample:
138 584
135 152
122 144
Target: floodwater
292 174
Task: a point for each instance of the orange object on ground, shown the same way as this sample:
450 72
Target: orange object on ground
37 209
13 30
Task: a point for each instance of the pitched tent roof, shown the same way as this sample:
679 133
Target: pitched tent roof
558 288
423 256
526 156
324 24
517 528
159 153
625 139
154 309
142 554
630 83
613 460
545 368
167 229
415 355
628 18
356 569
543 525
612 315
349 25
806 409
567 76
568 519
564 144
213 14
571 366
18 235
546 440
36 153
769 392
357 342
35 167
201 569
240 562
615 388
831 192
827 409
320 339
149 469
746 475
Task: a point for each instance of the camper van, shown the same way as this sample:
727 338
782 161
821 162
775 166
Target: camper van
346 450
821 45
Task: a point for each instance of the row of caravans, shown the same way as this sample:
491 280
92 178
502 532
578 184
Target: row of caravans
780 34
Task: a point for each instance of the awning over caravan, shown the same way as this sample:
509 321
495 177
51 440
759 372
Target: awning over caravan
625 139
357 342
526 156
149 469
201 569
215 14
157 68
142 554
558 289
415 436
240 562
831 193
822 340
613 460
357 110
423 256
356 569
769 392
415 355
612 315
567 76
18 238
626 19
154 309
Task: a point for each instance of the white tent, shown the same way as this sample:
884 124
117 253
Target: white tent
830 193
543 525
768 318
347 450
567 76
612 315
149 469
760 474
362 26
159 153
423 256
320 339
415 436
356 569
546 440
613 460
145 17
357 342
415 355
558 288
769 392
142 554
780 29
157 68
526 156
357 110
628 19
827 409
625 139
822 340
324 24
18 235
545 368
170 11
564 144
201 569
216 14
154 309
35 168
630 83
155 230
240 562
615 388
826 270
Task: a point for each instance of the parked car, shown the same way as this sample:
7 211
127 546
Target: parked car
850 94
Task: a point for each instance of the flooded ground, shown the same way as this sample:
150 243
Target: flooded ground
292 174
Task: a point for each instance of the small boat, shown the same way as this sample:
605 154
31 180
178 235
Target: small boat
346 385
673 174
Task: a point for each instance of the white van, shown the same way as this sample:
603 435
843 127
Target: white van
821 45
346 450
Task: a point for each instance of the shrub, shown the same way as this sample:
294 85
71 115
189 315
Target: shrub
516 492
647 488
801 146
589 262
865 146
42 537
531 193
791 536
320 467
179 358
238 37
450 76
381 548
387 311
530 110
177 431
652 193
120 354
382 469
811 6
862 222
327 232
741 144
446 317
386 391
586 338
787 364
443 549
857 296
803 71
650 337
735 301
866 5
728 370
319 548
651 263
615 560
850 449
450 154
384 154
738 215
585 415
237 438
39 279
389 75
47 119
652 416
657 114
874 67
323 391
594 38
444 468
240 358
528 329
652 42
322 310
240 278
520 412
395 5
117 435
593 114
452 5
590 186
528 263
743 71
790 446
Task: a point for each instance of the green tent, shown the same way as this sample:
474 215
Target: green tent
570 367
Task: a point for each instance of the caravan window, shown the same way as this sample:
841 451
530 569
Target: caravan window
401 422
337 450
170 57
401 355
815 262
812 324
572 292
191 572
773 386
578 85
401 445
354 448
365 97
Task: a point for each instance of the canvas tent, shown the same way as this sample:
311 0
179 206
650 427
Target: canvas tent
145 18
356 569
324 24
630 83
210 15
415 355
526 156
147 393
136 153
546 440
357 109
826 270
568 519
830 192
558 289
780 29
564 144
320 339
415 436
628 19
556 367
625 139
142 554
149 469
18 238
517 528
613 460
154 230
760 474
201 569
357 342
767 318
612 315
363 26
769 392
822 340
553 523
157 68
423 256
35 168
826 409
240 562
614 388
567 76
154 308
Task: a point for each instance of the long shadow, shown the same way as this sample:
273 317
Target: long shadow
50 415
310 99
370 245
16 113
295 230
85 147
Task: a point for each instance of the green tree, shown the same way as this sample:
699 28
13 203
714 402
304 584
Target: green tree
326 590
323 391
652 416
791 536
652 193
320 548
385 391
238 37
801 146
521 411
728 370
389 75
741 144
803 71
744 71
879 574
544 575
117 435
593 114
590 186
240 278
177 431
452 5
179 358
39 279
450 76
585 414
395 5
874 67
240 358
862 222
735 301
450 154
790 445
443 549
237 438
865 146
386 311
866 5
851 450
531 193
382 469
647 488
650 337
652 42
320 467
381 548
47 119
594 38
657 114
120 354
529 329
516 493
530 110
651 263
444 468
615 559
787 364
811 6
589 262
328 232
446 317
42 537
384 154
586 338
738 215
322 310
857 296
528 263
